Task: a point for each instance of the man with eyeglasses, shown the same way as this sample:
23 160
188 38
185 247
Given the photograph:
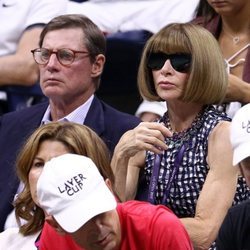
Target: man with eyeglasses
71 57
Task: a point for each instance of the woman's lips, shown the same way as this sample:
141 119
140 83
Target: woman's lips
166 84
218 3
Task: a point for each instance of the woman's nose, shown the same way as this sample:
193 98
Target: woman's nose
167 68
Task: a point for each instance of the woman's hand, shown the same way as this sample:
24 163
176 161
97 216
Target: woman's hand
146 136
129 155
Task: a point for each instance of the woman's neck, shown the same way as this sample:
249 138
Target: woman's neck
181 117
237 23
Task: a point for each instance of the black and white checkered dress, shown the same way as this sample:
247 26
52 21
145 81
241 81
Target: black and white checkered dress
191 171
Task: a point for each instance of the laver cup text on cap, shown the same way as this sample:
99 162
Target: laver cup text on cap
246 125
72 185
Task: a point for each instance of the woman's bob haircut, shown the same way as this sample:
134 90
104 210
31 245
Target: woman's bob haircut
207 80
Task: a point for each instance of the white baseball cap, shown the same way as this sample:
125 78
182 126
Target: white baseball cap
72 189
240 134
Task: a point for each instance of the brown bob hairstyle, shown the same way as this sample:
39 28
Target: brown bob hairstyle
207 81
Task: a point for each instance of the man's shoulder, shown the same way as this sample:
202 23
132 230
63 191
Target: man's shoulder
109 123
32 112
109 110
234 232
143 209
242 208
113 115
239 215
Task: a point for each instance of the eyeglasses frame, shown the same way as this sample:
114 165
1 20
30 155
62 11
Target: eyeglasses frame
56 53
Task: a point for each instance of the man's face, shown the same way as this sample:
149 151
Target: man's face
102 232
71 82
245 168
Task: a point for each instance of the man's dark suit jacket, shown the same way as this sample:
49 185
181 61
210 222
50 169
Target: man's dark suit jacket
15 127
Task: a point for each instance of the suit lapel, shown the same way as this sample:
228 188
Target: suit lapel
95 117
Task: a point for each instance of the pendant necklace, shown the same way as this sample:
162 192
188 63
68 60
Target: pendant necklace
236 39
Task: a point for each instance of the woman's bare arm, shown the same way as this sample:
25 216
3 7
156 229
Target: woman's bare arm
238 90
218 191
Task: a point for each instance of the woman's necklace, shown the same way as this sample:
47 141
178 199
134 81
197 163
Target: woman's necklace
179 137
236 38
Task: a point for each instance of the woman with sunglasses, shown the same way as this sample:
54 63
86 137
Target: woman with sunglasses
178 160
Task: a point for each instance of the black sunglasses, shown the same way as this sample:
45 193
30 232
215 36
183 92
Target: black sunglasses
180 62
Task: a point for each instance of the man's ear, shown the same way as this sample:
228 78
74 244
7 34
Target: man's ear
98 65
53 223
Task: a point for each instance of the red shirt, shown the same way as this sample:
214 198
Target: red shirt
144 226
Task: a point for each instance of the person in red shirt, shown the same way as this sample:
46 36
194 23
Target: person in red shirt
79 203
